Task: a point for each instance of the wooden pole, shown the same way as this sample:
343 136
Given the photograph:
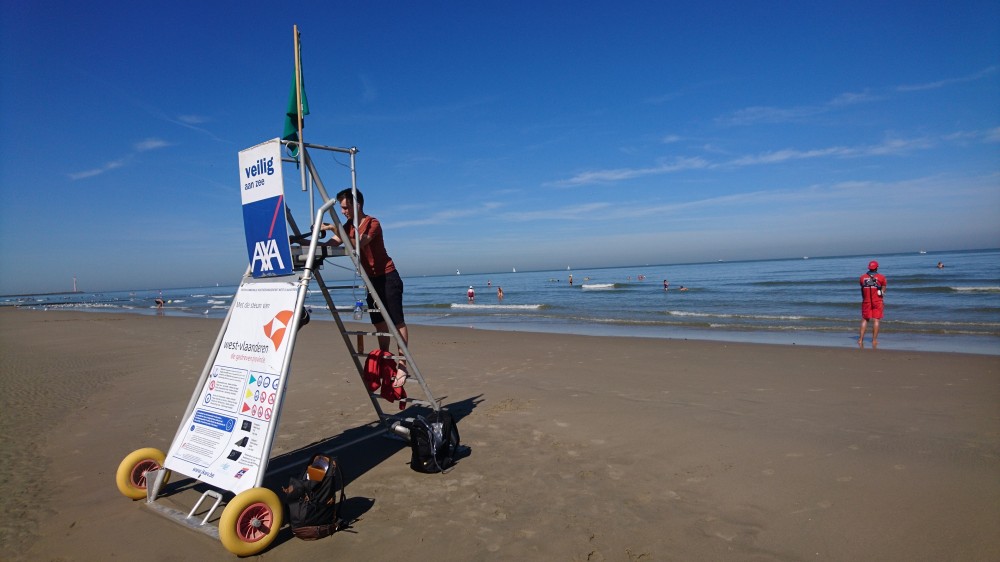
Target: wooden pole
298 103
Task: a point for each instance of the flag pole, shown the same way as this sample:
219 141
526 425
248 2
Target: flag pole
298 103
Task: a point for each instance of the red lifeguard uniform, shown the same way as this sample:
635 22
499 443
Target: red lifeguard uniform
872 285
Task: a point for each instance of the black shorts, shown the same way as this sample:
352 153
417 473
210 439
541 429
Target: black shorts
390 289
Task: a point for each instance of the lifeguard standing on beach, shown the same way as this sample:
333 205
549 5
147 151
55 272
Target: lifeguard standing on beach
872 305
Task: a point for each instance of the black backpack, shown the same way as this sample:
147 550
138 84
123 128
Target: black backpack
434 442
312 500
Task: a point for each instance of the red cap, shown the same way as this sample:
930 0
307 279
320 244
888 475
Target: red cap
872 265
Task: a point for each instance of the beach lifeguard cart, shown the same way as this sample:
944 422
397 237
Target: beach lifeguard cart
225 436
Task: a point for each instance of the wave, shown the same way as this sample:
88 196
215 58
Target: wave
497 306
598 286
803 282
946 289
976 289
682 313
943 323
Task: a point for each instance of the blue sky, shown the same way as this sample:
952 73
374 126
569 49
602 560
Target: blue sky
536 135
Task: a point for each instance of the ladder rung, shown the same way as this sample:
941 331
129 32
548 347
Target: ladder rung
407 400
363 333
334 287
363 355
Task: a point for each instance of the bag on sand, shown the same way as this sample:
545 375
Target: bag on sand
312 500
434 442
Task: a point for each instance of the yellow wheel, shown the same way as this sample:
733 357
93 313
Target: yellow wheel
250 521
131 475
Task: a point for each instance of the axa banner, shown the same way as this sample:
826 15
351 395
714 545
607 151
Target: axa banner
263 193
222 441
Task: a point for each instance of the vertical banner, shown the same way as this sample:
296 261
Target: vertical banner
263 194
222 442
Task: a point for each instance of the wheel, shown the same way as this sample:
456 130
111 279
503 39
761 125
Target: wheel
250 521
131 475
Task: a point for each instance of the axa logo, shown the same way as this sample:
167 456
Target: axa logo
275 329
264 251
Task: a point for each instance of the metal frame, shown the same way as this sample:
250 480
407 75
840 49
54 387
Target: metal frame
310 272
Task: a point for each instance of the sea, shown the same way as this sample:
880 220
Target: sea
798 301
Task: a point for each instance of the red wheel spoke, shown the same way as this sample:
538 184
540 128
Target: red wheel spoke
245 523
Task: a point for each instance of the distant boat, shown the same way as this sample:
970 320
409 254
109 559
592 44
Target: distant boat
567 268
805 257
515 270
923 251
457 272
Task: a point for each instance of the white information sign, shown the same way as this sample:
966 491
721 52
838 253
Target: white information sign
222 442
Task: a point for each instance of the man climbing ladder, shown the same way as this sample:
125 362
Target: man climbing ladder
366 232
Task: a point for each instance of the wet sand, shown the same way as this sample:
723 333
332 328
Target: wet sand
578 448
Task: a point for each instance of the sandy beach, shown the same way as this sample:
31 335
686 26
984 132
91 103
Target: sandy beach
578 448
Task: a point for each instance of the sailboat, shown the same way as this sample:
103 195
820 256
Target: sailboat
515 270
457 272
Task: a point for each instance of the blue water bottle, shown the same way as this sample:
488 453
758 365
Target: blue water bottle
357 310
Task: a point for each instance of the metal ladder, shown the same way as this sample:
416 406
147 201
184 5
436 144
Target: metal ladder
310 254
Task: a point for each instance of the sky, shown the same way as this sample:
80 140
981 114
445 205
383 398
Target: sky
495 135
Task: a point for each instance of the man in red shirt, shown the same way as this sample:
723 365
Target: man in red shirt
872 306
380 269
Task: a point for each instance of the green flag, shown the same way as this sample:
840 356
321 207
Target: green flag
291 132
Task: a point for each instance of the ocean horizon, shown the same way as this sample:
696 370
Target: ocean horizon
791 301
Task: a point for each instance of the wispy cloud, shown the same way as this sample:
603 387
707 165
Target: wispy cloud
141 146
948 81
449 215
619 174
772 114
888 147
97 171
150 144
187 120
572 212
769 114
192 119
724 207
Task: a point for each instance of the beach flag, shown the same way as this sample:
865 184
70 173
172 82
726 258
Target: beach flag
293 118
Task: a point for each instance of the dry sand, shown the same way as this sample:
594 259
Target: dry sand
579 448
